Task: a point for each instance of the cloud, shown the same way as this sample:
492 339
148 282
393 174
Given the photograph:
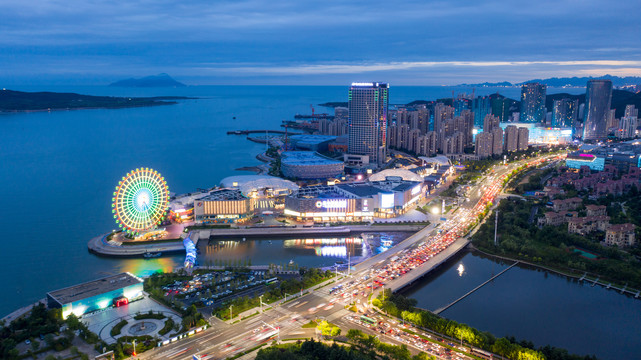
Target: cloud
288 38
315 69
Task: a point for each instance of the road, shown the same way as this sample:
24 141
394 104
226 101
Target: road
368 278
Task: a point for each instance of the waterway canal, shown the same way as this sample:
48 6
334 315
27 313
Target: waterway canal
534 305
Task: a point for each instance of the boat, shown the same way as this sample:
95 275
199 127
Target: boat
152 255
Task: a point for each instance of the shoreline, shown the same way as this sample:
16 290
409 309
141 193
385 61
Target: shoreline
27 111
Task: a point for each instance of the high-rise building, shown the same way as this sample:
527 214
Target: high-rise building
423 119
497 141
565 112
598 97
482 106
442 113
490 123
524 138
368 103
484 143
511 142
628 123
533 103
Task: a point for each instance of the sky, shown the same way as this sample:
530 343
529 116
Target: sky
328 42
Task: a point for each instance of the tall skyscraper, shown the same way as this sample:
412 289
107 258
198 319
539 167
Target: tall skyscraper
490 122
565 112
511 142
368 103
533 103
598 97
484 144
482 106
524 138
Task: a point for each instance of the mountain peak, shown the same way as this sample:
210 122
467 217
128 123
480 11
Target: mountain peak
160 80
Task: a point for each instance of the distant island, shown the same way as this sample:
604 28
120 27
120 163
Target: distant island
160 80
566 81
14 101
334 104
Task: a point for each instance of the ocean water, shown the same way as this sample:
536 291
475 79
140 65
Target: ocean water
58 169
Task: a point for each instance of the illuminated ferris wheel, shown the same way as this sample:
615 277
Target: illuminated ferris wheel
140 201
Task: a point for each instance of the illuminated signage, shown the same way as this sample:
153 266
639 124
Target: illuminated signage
332 204
387 201
416 189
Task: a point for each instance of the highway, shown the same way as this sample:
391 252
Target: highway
394 268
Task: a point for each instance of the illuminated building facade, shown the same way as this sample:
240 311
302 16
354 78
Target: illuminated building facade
598 97
223 206
309 165
576 160
565 113
542 135
96 295
532 103
354 201
368 104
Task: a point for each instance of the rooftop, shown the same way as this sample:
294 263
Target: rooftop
224 194
93 288
306 158
311 139
249 183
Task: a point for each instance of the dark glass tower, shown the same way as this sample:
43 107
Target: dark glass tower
598 97
565 112
368 103
533 103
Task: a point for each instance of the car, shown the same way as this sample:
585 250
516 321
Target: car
27 341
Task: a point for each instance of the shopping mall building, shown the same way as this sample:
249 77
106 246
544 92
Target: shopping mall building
354 201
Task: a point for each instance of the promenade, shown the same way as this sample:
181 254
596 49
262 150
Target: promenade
99 245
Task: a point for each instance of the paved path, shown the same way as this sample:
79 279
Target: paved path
101 246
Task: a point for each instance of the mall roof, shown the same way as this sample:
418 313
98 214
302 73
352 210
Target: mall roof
223 195
438 159
93 288
311 139
405 174
249 183
360 189
306 158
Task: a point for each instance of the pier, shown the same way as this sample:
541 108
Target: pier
247 132
100 246
473 290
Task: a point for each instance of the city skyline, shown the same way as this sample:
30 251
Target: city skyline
421 43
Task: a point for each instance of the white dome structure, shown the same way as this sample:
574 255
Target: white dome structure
405 174
440 160
251 183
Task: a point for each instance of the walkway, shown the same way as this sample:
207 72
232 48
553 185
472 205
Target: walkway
473 290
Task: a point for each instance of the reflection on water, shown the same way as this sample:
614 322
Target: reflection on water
532 304
333 247
146 267
311 252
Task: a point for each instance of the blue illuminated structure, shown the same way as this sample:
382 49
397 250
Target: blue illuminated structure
190 252
96 295
576 160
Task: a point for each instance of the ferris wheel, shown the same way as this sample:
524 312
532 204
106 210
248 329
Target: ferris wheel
140 200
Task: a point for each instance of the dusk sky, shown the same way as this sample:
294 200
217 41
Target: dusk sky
317 42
